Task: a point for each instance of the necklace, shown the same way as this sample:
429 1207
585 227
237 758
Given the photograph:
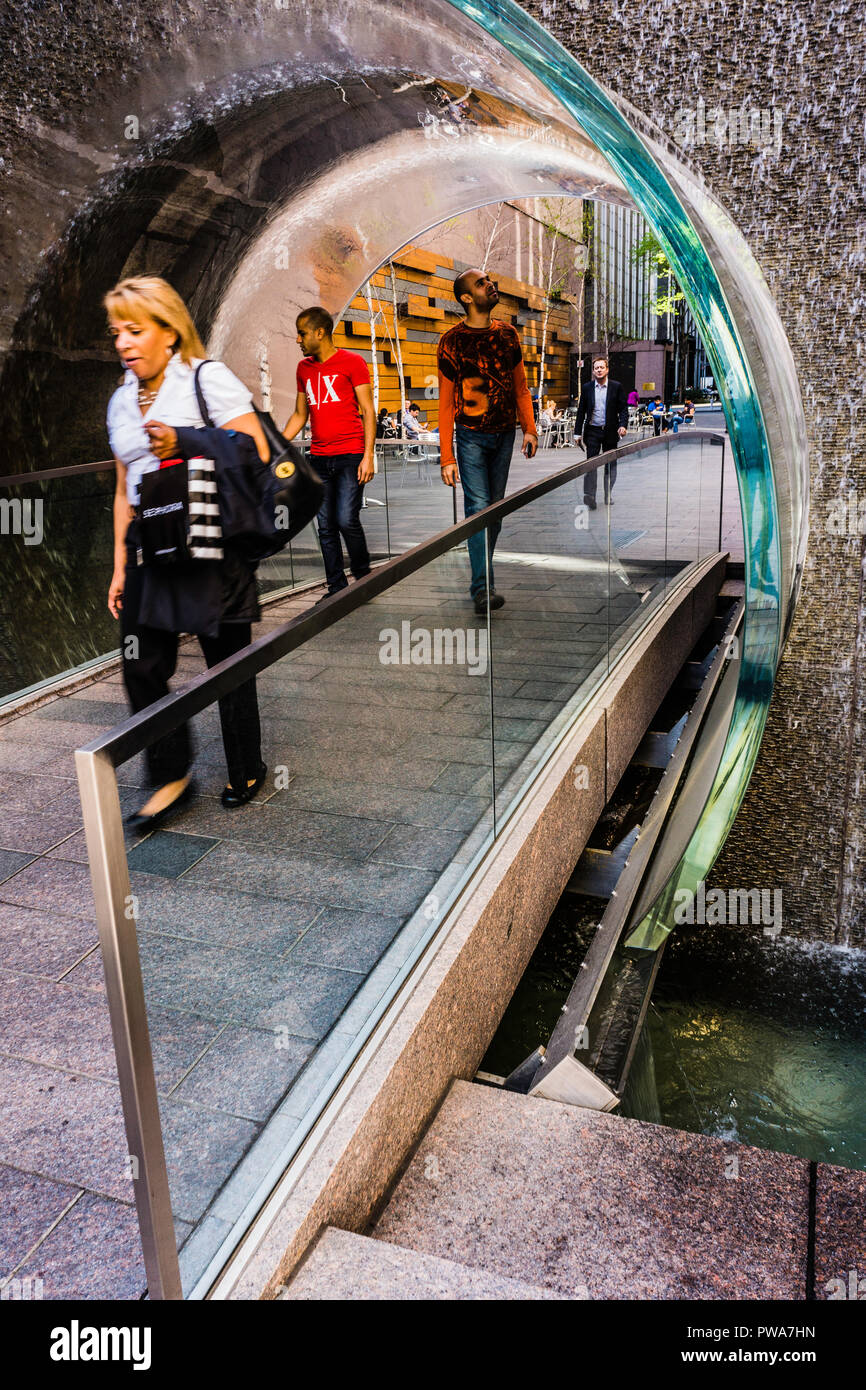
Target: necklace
146 398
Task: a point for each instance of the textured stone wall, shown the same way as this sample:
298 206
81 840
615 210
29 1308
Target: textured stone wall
799 203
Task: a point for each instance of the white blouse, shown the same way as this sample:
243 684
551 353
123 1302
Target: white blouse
175 405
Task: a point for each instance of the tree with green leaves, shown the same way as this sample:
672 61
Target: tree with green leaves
665 293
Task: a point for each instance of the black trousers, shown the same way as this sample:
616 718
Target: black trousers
149 662
597 444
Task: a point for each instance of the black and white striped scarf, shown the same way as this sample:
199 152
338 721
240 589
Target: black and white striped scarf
205 532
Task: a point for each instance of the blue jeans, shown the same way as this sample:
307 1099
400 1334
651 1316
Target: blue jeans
339 515
483 461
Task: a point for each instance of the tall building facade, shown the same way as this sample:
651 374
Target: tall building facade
648 352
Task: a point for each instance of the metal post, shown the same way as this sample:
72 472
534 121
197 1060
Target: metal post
115 918
721 495
387 508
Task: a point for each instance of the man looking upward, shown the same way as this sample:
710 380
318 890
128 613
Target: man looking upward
334 393
482 388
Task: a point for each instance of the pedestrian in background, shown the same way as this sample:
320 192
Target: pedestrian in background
334 393
482 391
602 419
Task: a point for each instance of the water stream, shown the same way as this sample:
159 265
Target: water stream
749 1038
757 1040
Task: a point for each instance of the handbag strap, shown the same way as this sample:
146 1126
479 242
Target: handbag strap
276 443
199 395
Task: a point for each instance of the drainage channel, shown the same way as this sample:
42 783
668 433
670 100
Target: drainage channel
581 1004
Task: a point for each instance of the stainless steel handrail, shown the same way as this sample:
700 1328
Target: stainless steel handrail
44 475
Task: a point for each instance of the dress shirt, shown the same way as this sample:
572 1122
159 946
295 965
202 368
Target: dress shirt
599 414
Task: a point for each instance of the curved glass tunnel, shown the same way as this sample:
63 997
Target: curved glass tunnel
289 167
296 157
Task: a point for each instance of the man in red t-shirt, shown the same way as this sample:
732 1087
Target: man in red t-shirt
334 394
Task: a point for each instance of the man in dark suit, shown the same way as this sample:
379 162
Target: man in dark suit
602 418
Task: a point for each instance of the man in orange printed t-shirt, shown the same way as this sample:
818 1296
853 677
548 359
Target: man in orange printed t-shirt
482 391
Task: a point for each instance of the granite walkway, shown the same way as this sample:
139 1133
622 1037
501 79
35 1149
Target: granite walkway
268 936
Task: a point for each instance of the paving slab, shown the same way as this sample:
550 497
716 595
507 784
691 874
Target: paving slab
246 1070
324 878
202 1147
37 831
347 939
62 1126
168 853
840 1233
41 943
51 885
235 918
31 1205
94 1252
241 986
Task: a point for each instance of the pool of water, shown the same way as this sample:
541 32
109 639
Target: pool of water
757 1040
747 1037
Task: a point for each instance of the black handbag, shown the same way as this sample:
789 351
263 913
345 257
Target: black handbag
286 492
163 503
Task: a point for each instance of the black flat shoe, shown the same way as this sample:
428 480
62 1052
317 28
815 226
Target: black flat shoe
231 798
141 824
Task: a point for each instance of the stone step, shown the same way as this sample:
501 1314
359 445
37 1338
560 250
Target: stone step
599 1206
346 1267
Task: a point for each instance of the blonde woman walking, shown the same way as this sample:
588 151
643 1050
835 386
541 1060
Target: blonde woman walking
216 599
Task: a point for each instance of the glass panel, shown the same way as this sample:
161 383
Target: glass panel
404 504
270 935
419 505
638 535
712 455
56 560
684 504
298 565
549 641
